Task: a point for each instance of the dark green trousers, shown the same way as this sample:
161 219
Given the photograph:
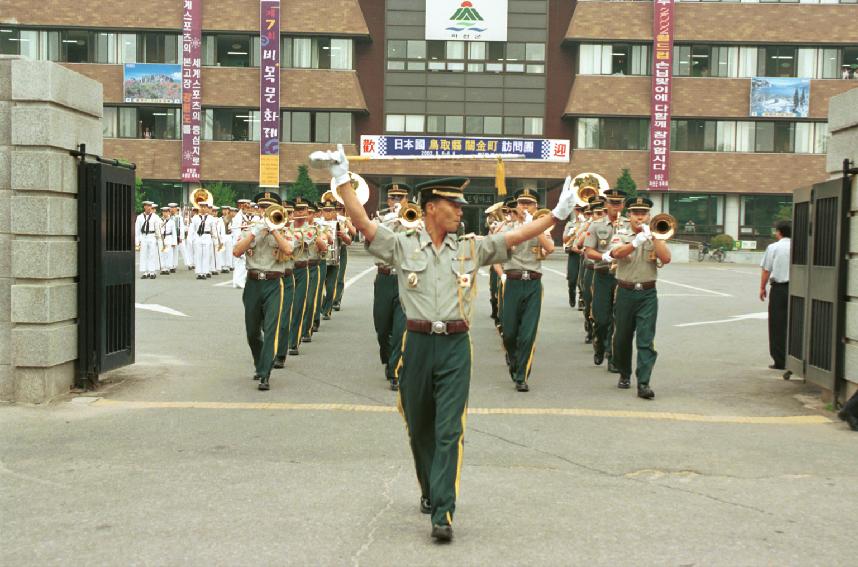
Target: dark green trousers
331 278
320 296
286 316
312 298
341 275
433 399
389 322
573 266
635 317
522 305
299 306
494 292
604 286
586 277
263 302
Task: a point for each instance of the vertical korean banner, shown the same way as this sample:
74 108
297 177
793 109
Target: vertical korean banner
192 88
269 93
662 79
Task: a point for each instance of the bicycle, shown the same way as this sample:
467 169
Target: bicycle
703 252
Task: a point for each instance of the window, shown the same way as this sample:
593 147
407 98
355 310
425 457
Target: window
513 125
474 125
613 133
230 124
477 50
148 122
705 211
760 212
76 46
416 49
454 124
778 61
533 126
19 42
108 122
693 135
225 50
405 123
435 124
775 137
414 123
324 52
395 123
493 125
155 47
535 51
455 50
613 59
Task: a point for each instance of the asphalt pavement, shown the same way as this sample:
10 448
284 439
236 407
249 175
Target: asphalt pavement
179 459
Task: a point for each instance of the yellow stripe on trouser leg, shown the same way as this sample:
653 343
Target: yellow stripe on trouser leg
279 315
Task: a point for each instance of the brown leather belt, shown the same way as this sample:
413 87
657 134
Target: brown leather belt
300 265
589 267
640 286
386 271
603 270
522 275
313 263
437 327
260 275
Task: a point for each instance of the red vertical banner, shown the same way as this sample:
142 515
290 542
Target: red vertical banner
269 93
662 83
192 88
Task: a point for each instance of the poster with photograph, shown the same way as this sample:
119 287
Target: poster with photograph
152 83
780 97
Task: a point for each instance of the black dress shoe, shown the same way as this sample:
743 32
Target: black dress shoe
394 385
280 362
612 368
306 339
257 377
425 505
442 532
522 387
776 367
588 340
293 351
645 392
144 277
263 383
326 317
852 421
316 328
172 270
208 275
336 306
598 358
624 383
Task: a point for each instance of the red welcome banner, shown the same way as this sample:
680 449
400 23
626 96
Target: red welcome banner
662 77
192 88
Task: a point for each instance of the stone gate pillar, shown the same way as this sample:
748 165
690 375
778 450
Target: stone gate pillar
45 110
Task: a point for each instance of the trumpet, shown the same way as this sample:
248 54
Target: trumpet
663 226
275 217
410 215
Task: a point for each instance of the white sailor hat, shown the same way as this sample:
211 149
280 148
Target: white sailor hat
172 204
214 208
240 201
165 208
148 203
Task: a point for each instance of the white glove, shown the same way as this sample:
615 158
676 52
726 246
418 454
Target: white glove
566 201
640 238
503 278
340 167
528 217
258 229
646 230
607 256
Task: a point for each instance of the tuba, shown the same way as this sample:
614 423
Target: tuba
201 196
360 186
589 185
275 217
410 215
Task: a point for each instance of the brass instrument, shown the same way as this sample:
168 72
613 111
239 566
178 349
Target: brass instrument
275 217
663 226
495 212
589 185
410 215
202 196
538 250
360 186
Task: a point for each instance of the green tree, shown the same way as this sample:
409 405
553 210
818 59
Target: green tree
222 193
626 184
303 186
139 194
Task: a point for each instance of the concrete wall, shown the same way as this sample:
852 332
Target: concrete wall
843 125
45 110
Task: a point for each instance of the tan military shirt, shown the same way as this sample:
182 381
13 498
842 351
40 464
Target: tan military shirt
436 285
391 221
262 258
523 256
603 235
301 252
637 266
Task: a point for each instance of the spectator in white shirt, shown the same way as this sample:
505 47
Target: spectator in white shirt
775 272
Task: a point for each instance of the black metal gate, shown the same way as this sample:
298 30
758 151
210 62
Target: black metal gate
106 266
817 302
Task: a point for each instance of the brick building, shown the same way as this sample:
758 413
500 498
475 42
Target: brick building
576 71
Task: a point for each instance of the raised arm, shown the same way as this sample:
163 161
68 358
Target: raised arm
355 211
536 228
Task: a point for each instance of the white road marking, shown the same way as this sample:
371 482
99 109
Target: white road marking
223 284
354 279
661 280
552 270
159 309
763 315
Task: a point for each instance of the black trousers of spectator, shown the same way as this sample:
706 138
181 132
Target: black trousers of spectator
778 306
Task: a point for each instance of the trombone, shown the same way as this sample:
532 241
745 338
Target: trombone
663 227
275 217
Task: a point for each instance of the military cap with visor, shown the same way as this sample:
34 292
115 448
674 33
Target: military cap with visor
267 198
397 190
638 203
448 188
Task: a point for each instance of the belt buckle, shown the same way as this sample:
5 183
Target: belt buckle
638 286
439 328
260 276
525 275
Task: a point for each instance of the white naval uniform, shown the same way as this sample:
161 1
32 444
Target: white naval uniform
168 243
239 274
203 227
223 260
147 234
179 250
190 250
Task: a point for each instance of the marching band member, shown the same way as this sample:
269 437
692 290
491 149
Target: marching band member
239 223
339 241
190 240
436 273
638 256
263 294
168 241
147 237
594 211
522 295
204 231
304 232
315 259
573 261
344 255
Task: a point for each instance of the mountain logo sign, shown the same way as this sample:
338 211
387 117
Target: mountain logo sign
465 17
